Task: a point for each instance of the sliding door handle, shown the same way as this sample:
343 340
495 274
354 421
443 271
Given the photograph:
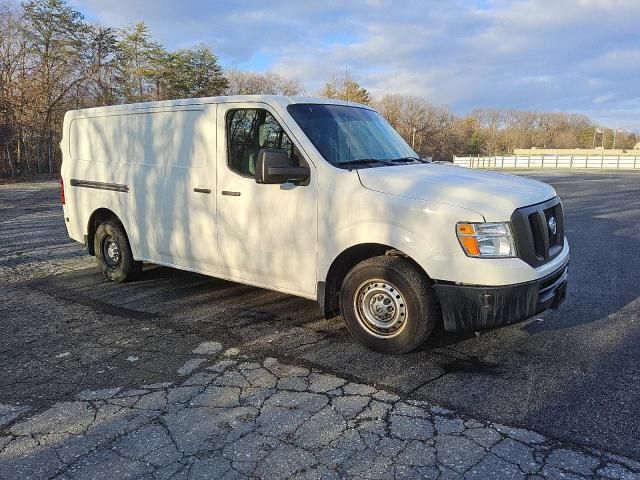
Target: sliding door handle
231 194
202 190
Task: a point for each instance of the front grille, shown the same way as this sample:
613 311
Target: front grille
537 234
550 213
539 231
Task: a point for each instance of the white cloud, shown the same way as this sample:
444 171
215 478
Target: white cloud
576 55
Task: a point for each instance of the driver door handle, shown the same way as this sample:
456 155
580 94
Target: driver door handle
202 190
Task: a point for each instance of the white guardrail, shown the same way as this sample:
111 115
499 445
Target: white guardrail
628 162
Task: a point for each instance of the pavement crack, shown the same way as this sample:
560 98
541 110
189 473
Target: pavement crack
308 344
427 382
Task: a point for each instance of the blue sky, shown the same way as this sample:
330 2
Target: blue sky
563 55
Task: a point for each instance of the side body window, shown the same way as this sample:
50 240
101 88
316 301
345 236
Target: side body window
249 130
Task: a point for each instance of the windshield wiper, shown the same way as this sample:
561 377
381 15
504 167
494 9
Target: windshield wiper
410 159
389 162
367 161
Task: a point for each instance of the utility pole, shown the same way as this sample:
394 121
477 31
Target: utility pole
615 133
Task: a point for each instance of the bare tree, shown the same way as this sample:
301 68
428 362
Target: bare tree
266 83
101 51
12 54
427 128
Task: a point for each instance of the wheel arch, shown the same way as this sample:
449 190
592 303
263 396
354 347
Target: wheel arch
99 216
329 289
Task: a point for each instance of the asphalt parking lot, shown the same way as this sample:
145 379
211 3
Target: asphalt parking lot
572 375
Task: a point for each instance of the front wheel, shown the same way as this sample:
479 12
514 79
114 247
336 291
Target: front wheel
388 305
114 253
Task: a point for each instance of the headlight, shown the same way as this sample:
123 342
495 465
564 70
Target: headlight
488 240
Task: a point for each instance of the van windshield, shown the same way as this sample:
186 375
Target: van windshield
352 137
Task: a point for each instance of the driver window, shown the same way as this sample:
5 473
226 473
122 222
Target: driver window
249 130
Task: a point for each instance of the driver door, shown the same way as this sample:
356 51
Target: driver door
267 233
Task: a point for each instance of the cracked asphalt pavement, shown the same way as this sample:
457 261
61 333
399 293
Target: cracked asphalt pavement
183 376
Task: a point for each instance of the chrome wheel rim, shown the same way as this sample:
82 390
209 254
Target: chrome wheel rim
380 308
111 252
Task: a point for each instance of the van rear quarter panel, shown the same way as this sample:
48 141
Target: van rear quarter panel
144 149
81 136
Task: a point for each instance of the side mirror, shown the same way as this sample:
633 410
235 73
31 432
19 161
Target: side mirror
273 166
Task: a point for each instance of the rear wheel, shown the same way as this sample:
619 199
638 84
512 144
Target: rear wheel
388 305
113 253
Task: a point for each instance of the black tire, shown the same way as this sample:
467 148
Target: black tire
113 253
388 283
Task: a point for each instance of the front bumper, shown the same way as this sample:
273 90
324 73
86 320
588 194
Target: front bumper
474 308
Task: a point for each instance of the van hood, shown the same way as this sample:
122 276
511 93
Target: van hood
491 194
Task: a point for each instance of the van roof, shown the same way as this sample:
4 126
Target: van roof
280 100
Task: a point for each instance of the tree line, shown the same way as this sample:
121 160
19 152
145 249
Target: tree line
53 60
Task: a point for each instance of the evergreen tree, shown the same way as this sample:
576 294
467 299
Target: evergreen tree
476 144
346 90
193 72
140 65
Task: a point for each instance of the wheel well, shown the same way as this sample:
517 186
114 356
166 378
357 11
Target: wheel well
99 216
330 303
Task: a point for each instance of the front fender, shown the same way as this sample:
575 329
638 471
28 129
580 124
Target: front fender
424 231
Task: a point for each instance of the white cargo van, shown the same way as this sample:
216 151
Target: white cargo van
316 198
